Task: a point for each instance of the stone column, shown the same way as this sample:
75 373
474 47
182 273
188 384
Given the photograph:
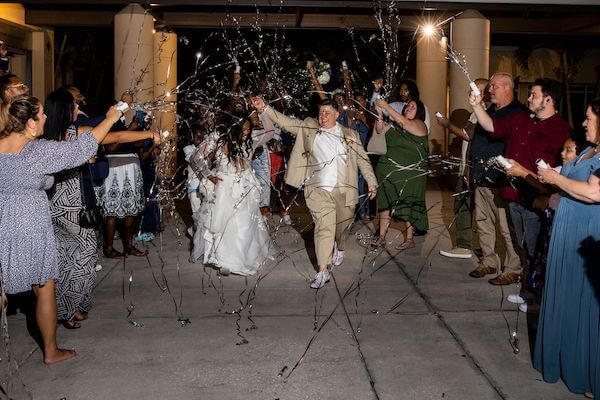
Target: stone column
134 46
432 81
165 80
470 36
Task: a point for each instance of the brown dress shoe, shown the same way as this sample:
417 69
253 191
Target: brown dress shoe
506 278
481 271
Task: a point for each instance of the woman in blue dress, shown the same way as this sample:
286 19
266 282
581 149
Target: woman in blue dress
568 336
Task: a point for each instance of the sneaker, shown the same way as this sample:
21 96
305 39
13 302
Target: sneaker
98 268
515 298
286 220
506 278
321 278
523 308
481 271
457 252
337 258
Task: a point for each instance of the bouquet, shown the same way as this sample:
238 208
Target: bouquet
322 69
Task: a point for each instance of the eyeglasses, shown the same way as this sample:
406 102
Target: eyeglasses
17 85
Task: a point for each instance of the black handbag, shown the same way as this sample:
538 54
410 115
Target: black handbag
90 215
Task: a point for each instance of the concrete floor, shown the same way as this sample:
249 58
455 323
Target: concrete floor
411 326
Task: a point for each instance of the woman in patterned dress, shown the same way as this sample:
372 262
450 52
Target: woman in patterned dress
77 246
28 255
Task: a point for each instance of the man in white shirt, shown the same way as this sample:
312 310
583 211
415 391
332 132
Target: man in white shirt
325 162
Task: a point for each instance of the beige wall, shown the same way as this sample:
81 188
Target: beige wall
29 41
542 63
42 60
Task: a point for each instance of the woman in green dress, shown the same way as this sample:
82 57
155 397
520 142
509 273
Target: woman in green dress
402 171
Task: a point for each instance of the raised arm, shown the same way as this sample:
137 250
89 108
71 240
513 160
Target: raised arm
483 117
268 131
381 127
292 125
347 81
377 84
414 126
312 73
233 94
101 130
125 136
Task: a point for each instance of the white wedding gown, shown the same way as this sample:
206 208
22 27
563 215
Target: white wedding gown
233 234
236 235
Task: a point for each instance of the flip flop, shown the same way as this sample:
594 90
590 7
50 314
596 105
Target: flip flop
409 244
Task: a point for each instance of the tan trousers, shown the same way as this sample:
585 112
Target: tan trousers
491 217
332 218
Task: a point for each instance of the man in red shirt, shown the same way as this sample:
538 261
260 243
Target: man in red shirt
529 136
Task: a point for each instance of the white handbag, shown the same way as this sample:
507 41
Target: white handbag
377 144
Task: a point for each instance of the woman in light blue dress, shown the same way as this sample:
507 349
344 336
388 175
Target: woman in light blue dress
568 336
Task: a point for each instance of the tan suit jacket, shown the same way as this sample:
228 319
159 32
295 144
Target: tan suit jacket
297 168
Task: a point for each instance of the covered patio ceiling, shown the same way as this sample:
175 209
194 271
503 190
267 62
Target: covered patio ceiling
570 17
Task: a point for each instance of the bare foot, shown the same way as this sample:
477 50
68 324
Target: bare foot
58 355
132 251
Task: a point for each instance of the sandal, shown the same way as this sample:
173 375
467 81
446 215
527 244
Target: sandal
408 244
112 253
378 243
132 251
71 324
80 316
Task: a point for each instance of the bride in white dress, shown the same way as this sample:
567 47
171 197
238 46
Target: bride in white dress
233 235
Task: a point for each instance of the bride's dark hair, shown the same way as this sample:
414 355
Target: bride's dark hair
239 148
